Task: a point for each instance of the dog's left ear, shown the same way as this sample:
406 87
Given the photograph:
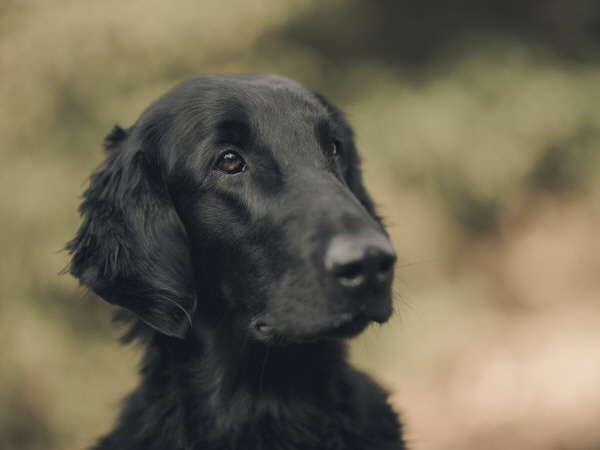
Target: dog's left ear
132 249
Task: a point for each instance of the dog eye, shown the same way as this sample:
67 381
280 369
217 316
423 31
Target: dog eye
334 148
230 162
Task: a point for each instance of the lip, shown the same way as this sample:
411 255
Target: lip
349 328
345 327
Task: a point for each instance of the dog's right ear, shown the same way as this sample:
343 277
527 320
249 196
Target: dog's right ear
132 249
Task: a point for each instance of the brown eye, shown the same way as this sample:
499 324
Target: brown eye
230 162
334 148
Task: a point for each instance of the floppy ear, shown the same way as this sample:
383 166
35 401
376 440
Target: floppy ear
132 249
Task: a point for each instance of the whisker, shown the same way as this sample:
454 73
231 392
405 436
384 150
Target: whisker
417 263
225 314
401 302
263 370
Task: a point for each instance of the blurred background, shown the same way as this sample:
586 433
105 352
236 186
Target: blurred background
479 125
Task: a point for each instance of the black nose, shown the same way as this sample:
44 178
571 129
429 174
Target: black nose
361 260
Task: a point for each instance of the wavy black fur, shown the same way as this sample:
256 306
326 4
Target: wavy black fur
238 284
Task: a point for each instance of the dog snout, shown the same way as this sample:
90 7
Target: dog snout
360 262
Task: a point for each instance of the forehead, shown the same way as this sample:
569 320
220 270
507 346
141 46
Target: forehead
267 105
256 91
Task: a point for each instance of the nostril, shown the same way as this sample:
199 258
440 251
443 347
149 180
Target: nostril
385 266
350 274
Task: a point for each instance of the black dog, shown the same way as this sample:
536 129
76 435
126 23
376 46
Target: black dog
231 220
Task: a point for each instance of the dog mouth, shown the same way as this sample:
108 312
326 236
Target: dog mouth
344 327
347 326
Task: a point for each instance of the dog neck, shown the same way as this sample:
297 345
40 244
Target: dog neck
235 382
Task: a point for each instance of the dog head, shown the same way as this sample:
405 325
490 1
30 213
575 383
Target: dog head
237 194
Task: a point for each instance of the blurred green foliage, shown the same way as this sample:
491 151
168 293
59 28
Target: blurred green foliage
472 106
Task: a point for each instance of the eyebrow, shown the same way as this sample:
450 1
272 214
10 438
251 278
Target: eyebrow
233 131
